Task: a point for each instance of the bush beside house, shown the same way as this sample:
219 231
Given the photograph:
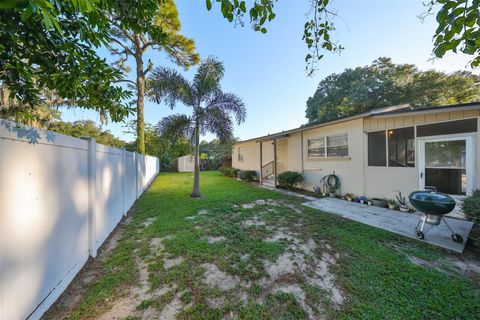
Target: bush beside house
247 175
228 171
289 179
471 209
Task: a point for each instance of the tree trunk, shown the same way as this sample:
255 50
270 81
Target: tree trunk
140 97
196 169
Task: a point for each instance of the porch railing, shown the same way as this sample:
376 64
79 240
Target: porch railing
267 170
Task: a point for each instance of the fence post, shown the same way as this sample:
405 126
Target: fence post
124 178
92 173
135 158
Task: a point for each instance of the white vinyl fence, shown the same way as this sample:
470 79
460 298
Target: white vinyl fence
60 198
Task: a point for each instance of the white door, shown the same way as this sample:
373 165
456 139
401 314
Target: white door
447 163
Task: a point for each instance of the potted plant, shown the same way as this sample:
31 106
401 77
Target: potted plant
382 203
348 196
402 202
392 204
362 199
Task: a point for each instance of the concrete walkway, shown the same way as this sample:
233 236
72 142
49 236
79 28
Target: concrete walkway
395 221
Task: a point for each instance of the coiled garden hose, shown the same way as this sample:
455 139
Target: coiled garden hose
330 182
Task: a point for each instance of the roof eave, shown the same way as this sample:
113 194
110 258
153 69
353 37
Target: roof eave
426 111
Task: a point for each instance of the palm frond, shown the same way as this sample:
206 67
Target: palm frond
208 76
175 127
218 122
228 102
168 85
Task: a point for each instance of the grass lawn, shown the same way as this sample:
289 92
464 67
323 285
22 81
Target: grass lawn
242 252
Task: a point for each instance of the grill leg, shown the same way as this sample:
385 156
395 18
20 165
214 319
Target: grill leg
421 223
448 226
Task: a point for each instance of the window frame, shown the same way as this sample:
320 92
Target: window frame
408 151
387 149
325 147
240 154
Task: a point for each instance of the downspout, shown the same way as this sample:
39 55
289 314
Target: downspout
275 161
365 160
261 163
301 157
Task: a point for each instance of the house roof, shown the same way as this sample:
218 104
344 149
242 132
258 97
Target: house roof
398 110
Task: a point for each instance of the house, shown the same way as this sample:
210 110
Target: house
376 152
185 163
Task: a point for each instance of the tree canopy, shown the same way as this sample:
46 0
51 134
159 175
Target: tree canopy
384 83
161 146
51 45
137 26
87 128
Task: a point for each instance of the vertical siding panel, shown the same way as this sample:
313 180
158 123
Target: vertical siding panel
429 118
408 121
390 123
456 115
443 116
381 124
470 113
399 123
367 125
419 119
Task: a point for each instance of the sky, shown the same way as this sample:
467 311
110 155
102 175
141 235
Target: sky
268 70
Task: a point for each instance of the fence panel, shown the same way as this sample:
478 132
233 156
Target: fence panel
60 198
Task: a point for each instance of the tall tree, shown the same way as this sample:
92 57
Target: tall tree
211 107
384 84
138 26
87 128
49 45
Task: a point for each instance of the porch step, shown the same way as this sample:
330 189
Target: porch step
269 182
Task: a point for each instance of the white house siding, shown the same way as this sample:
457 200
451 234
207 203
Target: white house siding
382 181
348 169
251 156
60 197
355 174
289 156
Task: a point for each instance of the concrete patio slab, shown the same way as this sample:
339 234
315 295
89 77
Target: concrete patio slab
395 221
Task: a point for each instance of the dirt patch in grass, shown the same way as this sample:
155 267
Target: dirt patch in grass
302 262
168 263
216 278
236 254
211 239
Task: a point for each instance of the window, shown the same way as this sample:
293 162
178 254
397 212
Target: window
316 147
401 147
377 149
337 146
240 154
328 147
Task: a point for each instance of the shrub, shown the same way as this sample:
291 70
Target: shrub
471 209
232 172
289 179
228 172
224 171
248 175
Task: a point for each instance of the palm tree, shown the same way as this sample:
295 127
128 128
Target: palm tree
211 107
